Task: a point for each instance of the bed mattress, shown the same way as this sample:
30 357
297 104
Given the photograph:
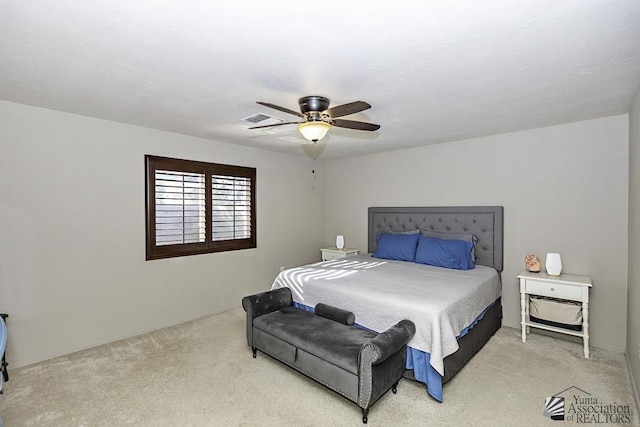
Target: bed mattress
441 302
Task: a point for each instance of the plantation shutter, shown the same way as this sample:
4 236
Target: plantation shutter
231 207
180 207
197 208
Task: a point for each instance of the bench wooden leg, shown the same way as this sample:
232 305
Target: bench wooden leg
394 388
364 415
254 350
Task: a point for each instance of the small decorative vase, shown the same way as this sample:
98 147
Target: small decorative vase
553 264
340 241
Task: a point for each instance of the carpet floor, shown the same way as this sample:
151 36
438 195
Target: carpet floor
201 373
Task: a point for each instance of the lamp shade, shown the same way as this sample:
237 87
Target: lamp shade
553 264
314 131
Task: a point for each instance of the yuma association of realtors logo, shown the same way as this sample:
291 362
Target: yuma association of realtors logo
554 408
582 408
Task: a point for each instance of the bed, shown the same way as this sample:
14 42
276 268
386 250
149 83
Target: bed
455 311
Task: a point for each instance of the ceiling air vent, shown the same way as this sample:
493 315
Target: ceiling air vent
260 119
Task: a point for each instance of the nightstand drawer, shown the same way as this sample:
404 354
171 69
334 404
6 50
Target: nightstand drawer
333 255
554 290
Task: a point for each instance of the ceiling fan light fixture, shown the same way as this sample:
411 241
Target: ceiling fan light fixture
314 131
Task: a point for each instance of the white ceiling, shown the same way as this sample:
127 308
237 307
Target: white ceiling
433 71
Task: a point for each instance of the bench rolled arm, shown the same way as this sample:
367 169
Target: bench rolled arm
266 302
375 351
392 340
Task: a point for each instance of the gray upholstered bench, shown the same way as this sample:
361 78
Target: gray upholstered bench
359 364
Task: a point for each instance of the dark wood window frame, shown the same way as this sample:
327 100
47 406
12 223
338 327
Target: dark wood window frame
207 240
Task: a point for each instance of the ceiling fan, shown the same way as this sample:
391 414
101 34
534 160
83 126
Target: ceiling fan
317 118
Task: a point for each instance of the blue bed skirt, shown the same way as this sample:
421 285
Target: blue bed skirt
418 360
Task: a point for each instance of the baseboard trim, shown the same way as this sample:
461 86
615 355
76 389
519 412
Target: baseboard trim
634 386
122 337
566 337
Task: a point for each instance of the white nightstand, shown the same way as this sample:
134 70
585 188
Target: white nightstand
335 253
565 286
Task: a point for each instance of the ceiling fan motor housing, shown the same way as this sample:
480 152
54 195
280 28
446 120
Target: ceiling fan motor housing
313 103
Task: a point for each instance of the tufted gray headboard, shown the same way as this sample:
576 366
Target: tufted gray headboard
485 222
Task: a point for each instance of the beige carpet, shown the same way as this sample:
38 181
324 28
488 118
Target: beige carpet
201 373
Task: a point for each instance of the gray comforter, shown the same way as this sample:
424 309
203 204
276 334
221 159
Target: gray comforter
441 302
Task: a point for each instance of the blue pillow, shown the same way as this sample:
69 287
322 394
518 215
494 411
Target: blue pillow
467 237
400 247
454 254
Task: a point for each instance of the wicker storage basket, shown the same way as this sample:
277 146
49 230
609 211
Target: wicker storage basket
556 312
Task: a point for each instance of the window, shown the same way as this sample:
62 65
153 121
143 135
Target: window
195 207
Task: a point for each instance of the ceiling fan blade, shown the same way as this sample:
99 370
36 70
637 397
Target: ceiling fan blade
352 124
277 107
275 124
346 109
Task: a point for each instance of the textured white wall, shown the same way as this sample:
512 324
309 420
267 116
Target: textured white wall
72 231
633 319
564 189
